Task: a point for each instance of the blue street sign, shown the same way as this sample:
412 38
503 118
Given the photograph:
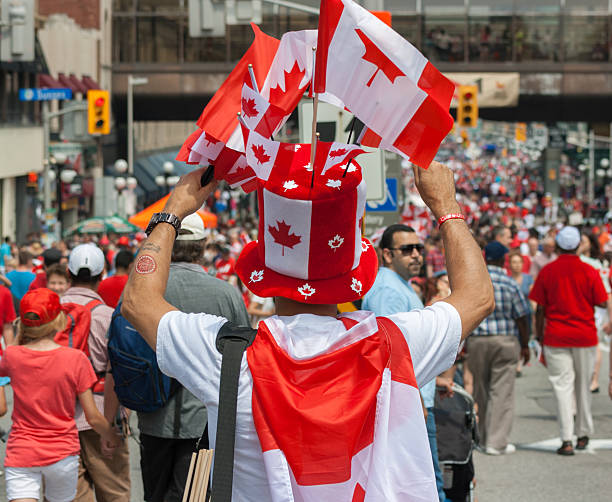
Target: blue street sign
44 94
389 203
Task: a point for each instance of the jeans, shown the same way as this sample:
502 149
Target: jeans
433 446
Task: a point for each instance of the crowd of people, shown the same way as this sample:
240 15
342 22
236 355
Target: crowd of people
547 280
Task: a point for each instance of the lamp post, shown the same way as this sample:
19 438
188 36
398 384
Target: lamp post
121 183
167 180
60 175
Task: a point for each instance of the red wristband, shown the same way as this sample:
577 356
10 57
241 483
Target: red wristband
451 216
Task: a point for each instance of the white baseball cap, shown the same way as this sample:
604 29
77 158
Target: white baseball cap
88 256
568 238
192 229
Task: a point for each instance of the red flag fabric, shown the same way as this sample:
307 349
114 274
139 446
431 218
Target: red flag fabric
384 80
219 116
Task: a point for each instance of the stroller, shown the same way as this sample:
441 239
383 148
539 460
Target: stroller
457 433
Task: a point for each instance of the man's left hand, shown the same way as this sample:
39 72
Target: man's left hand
189 195
447 385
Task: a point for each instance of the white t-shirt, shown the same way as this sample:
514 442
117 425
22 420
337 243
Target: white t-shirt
186 351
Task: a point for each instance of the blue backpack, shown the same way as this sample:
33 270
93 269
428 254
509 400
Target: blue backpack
139 383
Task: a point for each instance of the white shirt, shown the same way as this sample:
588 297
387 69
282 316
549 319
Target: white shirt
186 351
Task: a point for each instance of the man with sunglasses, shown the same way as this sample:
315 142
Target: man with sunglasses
402 259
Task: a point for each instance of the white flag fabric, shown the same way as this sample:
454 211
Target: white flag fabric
383 80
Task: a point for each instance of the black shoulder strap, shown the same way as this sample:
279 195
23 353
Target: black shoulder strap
232 341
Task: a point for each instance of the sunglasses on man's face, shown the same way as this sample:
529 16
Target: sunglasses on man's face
408 249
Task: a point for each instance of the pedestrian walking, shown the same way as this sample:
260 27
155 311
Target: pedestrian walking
108 478
328 406
493 355
43 445
566 291
111 288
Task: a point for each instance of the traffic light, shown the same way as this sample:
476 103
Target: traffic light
467 110
520 131
98 112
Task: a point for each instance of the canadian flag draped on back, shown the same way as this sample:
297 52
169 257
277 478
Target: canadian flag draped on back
384 80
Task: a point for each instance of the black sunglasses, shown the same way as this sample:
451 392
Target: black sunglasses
408 249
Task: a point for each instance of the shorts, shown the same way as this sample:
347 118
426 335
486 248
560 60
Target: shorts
60 481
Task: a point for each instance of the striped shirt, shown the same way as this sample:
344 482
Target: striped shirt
510 304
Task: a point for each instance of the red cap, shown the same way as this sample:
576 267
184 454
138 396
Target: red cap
42 302
123 241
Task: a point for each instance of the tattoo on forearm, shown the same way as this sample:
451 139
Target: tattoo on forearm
145 264
149 246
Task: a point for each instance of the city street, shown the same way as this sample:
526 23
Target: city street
533 473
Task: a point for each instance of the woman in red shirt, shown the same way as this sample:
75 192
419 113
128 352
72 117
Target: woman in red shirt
47 379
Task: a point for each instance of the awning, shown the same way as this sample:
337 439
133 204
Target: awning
147 168
142 218
72 82
48 81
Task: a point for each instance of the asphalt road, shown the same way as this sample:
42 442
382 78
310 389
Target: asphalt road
533 473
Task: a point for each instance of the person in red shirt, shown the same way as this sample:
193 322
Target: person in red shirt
225 265
50 257
566 291
7 315
111 288
46 379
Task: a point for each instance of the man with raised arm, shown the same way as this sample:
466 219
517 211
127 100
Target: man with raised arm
328 405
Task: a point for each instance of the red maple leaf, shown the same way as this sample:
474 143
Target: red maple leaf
248 107
338 153
260 154
210 139
290 97
282 235
378 58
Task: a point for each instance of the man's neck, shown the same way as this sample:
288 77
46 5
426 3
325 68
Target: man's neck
288 307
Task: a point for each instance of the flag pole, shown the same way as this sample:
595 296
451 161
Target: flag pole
241 120
252 75
313 152
348 164
315 104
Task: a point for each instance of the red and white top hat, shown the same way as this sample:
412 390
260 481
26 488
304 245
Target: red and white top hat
310 247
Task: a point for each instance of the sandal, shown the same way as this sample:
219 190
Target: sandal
582 443
566 449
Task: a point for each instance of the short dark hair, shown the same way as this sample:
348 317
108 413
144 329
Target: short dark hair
497 231
188 251
51 256
386 241
123 259
84 277
25 257
57 269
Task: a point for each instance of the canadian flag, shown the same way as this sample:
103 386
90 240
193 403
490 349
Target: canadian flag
275 160
258 114
384 80
345 425
283 70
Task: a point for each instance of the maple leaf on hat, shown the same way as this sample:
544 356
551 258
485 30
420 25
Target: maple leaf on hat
333 184
364 246
356 286
260 153
336 242
282 235
378 58
338 153
249 109
306 290
308 167
256 276
289 185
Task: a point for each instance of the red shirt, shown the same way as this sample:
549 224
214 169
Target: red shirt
40 281
7 309
568 289
46 384
225 268
110 289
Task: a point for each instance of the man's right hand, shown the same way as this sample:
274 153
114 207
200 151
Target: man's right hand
436 185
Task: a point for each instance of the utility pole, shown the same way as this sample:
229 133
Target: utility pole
132 81
591 186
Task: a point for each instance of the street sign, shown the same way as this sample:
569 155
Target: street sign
44 94
389 202
556 138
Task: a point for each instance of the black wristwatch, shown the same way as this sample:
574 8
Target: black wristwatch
172 219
